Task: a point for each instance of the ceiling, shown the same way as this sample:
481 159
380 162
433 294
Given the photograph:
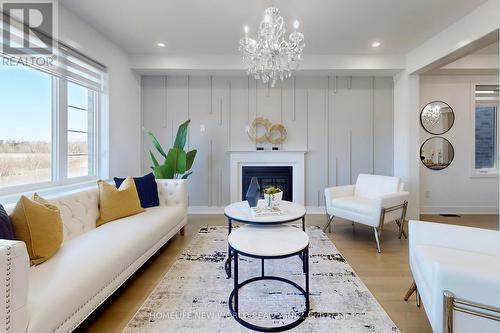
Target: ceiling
215 26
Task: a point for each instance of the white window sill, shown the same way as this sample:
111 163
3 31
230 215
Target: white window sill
47 190
489 174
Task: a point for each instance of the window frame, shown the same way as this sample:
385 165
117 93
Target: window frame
59 147
92 126
484 172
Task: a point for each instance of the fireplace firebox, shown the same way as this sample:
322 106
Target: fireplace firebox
279 176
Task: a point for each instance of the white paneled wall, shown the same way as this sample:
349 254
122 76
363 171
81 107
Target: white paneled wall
344 123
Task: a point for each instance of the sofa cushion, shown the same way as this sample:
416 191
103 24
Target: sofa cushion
117 203
6 231
146 188
79 211
97 256
426 255
358 205
373 186
38 224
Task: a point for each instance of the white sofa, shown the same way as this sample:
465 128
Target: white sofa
373 201
465 263
57 295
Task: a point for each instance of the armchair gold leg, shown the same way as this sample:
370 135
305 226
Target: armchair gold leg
182 231
402 232
417 296
377 238
328 225
410 291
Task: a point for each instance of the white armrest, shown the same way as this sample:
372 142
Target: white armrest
391 200
173 192
338 192
455 237
14 266
479 284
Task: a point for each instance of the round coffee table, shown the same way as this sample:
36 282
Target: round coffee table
240 212
268 242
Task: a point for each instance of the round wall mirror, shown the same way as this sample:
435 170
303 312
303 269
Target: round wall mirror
437 153
437 117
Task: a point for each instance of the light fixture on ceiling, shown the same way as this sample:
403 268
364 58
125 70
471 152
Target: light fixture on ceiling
431 114
160 44
270 56
376 44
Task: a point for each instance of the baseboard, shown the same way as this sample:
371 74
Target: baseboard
204 210
460 210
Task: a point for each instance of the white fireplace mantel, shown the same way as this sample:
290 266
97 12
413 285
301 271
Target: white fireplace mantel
241 158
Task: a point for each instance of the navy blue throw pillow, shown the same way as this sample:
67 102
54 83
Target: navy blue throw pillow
146 188
6 230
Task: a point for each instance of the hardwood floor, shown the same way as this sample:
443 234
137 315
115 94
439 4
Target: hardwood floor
386 275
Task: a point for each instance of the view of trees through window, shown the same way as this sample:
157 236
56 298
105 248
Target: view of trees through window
486 127
80 114
27 111
25 126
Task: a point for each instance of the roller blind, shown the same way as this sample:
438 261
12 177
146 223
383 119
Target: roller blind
64 62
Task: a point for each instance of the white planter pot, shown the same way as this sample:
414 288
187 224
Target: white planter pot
273 200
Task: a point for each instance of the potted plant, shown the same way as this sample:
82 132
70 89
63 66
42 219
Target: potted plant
177 163
273 196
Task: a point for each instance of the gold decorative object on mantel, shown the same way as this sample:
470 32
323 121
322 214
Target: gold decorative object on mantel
270 130
252 130
276 128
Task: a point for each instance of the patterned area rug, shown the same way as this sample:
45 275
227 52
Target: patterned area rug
193 295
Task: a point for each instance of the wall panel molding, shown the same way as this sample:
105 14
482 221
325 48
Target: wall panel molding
321 114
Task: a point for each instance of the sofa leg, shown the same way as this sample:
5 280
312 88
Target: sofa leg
328 225
182 231
375 230
410 291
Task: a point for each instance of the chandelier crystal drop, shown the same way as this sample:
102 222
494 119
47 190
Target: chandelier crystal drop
270 57
432 114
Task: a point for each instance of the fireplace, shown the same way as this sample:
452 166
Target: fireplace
279 176
268 160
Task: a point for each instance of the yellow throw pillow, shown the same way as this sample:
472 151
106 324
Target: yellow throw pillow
117 203
38 224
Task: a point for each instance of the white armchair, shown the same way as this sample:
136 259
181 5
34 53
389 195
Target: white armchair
373 201
456 272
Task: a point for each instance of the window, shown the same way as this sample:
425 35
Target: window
45 139
486 129
49 115
81 124
25 126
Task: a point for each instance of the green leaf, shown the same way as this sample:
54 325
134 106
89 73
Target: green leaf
157 171
153 158
181 162
190 158
171 163
180 138
157 144
187 174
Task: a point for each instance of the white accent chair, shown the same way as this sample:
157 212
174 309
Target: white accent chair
456 272
373 201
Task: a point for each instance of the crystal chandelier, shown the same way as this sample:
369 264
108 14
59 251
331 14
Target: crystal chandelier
270 56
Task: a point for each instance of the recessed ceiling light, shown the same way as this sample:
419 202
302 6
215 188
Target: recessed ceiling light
160 44
376 44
